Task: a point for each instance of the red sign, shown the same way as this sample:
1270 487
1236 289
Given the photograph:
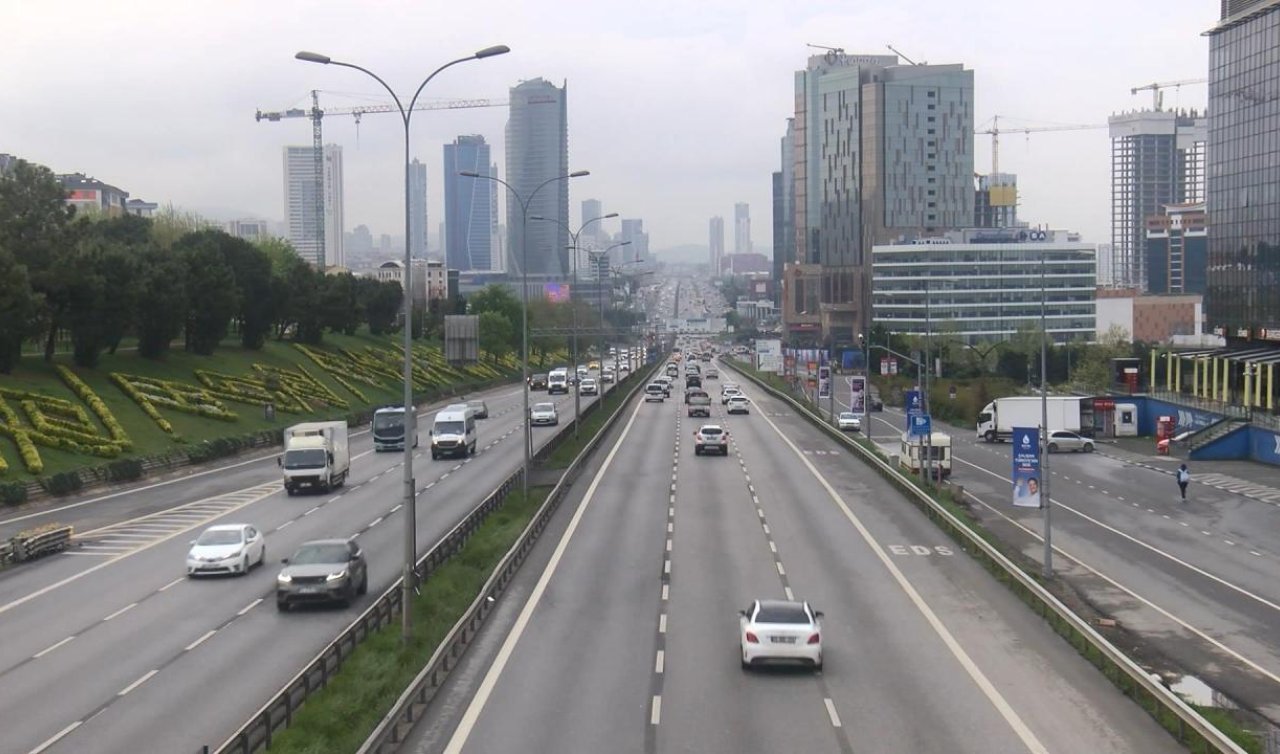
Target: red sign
83 195
1104 404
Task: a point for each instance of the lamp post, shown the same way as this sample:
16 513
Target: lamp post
1044 420
410 418
524 296
577 394
601 281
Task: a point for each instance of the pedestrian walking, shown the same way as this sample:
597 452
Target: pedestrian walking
1184 478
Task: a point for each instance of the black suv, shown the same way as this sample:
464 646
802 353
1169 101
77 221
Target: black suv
692 380
538 382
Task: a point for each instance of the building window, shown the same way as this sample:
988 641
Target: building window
931 94
932 107
931 130
931 118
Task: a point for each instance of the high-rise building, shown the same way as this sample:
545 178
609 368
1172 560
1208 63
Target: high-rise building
595 232
741 228
249 229
418 209
303 223
1177 248
638 249
716 245
1244 171
1157 158
538 153
995 201
469 210
882 150
784 212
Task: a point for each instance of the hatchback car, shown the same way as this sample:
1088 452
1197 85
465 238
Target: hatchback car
226 548
848 421
710 438
479 407
324 570
589 387
1062 439
727 393
712 373
780 631
738 404
544 414
538 382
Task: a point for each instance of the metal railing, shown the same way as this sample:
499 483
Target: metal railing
1174 714
26 547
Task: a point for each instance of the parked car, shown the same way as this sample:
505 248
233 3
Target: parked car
780 631
738 404
710 438
875 404
324 570
544 414
849 421
226 548
1061 439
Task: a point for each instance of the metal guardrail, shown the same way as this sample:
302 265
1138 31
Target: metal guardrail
388 736
1189 726
6 553
29 547
257 733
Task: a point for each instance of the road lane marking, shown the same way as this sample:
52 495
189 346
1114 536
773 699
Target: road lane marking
49 649
790 596
249 606
313 510
175 582
655 714
138 682
781 571
286 523
773 547
56 737
201 640
831 712
375 522
662 623
490 680
120 612
333 499
666 592
660 662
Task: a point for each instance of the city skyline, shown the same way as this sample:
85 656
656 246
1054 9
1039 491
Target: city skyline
156 137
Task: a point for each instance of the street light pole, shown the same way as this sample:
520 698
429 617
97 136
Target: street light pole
408 580
524 297
1045 500
577 394
600 285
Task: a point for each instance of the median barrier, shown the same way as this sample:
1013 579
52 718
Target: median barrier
31 545
1168 709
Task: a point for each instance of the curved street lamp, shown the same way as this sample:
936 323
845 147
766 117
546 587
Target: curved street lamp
408 580
524 295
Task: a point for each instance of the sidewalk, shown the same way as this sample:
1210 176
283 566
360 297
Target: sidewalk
1245 478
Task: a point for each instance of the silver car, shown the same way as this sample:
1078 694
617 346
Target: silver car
480 408
324 570
544 414
1061 439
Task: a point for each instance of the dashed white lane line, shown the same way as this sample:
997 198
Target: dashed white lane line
662 623
660 662
666 566
175 582
397 507
1229 542
201 640
50 648
120 612
313 510
249 606
790 596
138 682
335 498
56 737
666 592
655 710
773 547
1255 552
375 522
781 571
831 712
286 523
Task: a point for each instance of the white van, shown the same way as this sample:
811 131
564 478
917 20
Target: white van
558 382
453 434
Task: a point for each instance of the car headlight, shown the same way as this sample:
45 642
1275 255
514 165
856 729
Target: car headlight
336 576
230 556
284 578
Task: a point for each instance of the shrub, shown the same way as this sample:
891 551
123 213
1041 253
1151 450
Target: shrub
124 470
13 493
63 483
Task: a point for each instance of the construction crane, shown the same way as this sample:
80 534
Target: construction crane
317 134
895 51
1157 99
995 132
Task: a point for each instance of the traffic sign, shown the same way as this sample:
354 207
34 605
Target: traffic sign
921 424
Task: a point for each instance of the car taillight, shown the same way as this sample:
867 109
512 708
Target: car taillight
814 638
752 638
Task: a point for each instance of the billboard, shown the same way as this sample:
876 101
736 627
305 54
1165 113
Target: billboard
462 338
769 356
858 395
556 293
1026 467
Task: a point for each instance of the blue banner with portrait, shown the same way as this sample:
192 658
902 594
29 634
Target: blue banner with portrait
1026 467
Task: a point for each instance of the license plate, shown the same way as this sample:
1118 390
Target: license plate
308 589
783 639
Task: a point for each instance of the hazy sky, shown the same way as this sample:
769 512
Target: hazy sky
676 108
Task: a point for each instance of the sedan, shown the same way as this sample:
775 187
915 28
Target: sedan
738 404
712 373
780 631
849 421
325 570
226 548
544 413
588 387
729 392
710 438
1061 439
607 376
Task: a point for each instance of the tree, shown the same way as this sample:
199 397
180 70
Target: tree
546 315
496 334
212 296
170 225
161 305
381 301
252 269
339 303
280 252
304 284
495 298
18 308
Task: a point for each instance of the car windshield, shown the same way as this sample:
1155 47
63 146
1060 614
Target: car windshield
389 420
450 428
306 458
848 415
544 407
781 614
711 431
326 553
220 537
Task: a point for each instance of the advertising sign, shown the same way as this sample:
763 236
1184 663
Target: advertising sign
1026 467
858 395
769 356
824 382
914 405
556 293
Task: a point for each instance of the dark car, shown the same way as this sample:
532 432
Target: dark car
324 570
876 404
538 382
692 380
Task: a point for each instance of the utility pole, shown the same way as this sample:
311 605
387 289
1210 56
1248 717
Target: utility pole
1045 500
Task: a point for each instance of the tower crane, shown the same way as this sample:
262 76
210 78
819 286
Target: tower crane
1157 99
317 134
995 132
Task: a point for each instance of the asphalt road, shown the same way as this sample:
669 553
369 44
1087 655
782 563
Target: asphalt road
118 651
627 641
1196 579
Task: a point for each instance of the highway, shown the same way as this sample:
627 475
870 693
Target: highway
1195 579
626 638
111 648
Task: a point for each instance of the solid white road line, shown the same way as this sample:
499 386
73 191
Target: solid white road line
49 649
201 640
979 678
138 682
120 612
56 737
490 681
831 712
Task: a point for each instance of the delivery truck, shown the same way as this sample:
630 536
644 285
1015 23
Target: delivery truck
998 418
316 456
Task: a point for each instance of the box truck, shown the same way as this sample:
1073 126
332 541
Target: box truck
998 418
315 457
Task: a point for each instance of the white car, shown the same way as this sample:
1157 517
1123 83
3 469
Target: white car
710 438
544 414
588 386
728 392
780 631
226 548
1061 439
655 391
738 404
606 376
849 421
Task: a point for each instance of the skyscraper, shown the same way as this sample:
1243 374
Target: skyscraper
716 245
1244 171
741 228
417 209
591 209
638 250
469 210
302 223
538 154
1157 158
784 220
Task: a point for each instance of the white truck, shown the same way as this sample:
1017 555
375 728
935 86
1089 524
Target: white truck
998 418
316 456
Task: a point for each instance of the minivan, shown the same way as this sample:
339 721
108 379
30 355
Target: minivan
453 434
558 382
655 391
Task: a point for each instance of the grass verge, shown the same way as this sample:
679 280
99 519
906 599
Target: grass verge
562 456
340 717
